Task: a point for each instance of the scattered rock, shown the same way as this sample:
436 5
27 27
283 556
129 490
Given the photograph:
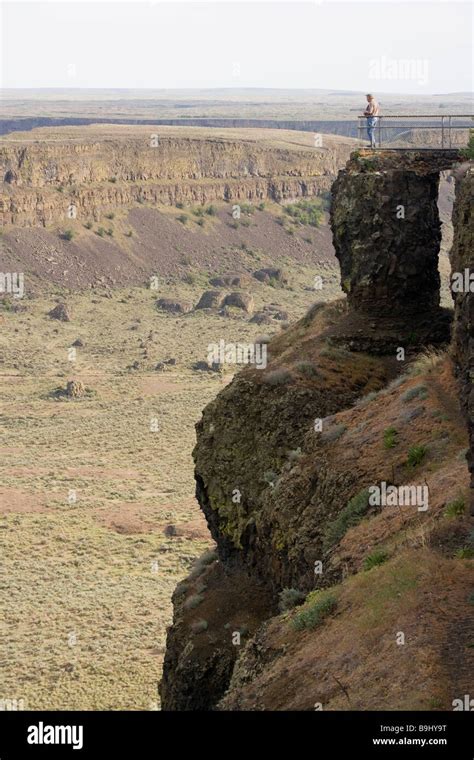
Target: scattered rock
60 312
78 343
172 306
75 389
270 274
205 367
229 281
211 299
240 301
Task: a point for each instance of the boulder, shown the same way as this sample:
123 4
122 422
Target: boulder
60 312
173 307
211 299
240 300
270 274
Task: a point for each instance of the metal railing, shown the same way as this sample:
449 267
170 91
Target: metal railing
401 132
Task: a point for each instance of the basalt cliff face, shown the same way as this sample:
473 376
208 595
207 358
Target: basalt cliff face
462 262
45 172
285 457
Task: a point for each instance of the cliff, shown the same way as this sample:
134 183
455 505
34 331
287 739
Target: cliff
312 579
99 169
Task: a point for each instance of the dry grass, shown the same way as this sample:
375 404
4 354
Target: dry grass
88 585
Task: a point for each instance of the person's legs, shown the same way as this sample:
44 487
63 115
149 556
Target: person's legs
371 122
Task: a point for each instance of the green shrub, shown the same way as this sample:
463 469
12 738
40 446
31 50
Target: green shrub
101 232
110 216
200 221
211 210
261 206
179 204
416 454
68 234
88 225
306 212
113 180
468 153
466 552
109 232
351 515
289 598
418 391
306 368
315 611
182 218
389 437
455 508
378 557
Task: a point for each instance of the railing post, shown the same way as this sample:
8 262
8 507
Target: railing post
380 131
442 131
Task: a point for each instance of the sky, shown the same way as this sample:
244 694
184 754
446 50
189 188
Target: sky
405 46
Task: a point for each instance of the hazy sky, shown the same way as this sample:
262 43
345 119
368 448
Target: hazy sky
405 46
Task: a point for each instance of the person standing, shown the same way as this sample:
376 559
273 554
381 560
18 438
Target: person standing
371 113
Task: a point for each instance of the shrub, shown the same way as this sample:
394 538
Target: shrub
270 477
88 225
101 232
189 278
199 626
200 221
198 211
333 434
468 153
306 212
315 612
389 437
179 204
308 369
261 206
351 515
455 508
113 180
129 233
193 601
68 234
465 553
211 210
378 557
110 216
289 598
416 454
418 391
182 218
279 376
109 232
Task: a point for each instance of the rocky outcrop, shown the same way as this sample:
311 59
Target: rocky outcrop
462 266
386 233
279 472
